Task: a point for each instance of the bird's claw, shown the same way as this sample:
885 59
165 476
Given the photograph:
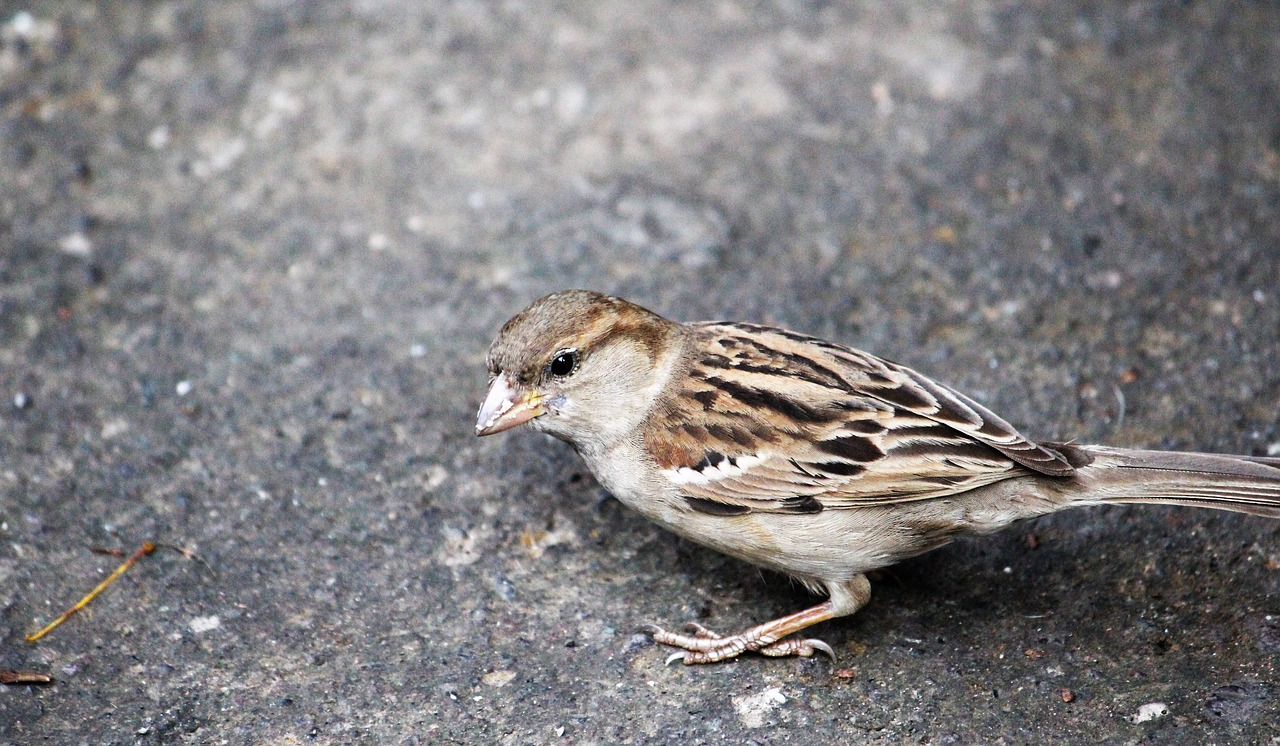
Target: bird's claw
702 645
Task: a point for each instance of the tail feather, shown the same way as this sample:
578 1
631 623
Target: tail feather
1244 484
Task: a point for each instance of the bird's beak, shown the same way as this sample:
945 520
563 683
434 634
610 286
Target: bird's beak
506 406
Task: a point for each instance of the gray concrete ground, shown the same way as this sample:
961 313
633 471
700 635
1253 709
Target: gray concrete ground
252 254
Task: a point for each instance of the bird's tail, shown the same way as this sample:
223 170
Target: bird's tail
1244 484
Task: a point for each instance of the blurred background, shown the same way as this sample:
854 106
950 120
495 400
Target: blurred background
252 255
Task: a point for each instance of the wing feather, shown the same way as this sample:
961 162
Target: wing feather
775 421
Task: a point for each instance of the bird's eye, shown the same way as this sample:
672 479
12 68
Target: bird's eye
564 363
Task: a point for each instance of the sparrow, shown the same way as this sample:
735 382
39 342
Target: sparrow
809 458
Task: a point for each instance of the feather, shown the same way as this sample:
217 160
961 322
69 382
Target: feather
774 421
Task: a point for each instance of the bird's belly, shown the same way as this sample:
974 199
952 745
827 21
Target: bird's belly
832 546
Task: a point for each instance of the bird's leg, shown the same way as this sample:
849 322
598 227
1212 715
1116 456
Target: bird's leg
705 646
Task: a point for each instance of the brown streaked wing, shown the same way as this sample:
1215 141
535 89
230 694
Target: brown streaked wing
903 387
778 422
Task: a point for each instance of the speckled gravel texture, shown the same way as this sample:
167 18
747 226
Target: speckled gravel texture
252 255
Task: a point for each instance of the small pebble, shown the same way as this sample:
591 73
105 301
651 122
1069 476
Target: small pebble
22 24
158 137
203 624
498 678
1150 711
76 244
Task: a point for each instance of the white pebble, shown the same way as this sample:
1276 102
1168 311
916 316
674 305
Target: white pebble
1150 711
754 709
204 623
76 244
22 24
158 137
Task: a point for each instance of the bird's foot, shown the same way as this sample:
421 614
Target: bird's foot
702 645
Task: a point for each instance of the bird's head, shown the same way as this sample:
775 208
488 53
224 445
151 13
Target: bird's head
579 365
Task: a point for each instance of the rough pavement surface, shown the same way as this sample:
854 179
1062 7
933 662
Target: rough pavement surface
252 255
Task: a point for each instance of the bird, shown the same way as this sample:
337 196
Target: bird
810 458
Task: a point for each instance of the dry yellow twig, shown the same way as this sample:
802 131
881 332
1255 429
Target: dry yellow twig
144 550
